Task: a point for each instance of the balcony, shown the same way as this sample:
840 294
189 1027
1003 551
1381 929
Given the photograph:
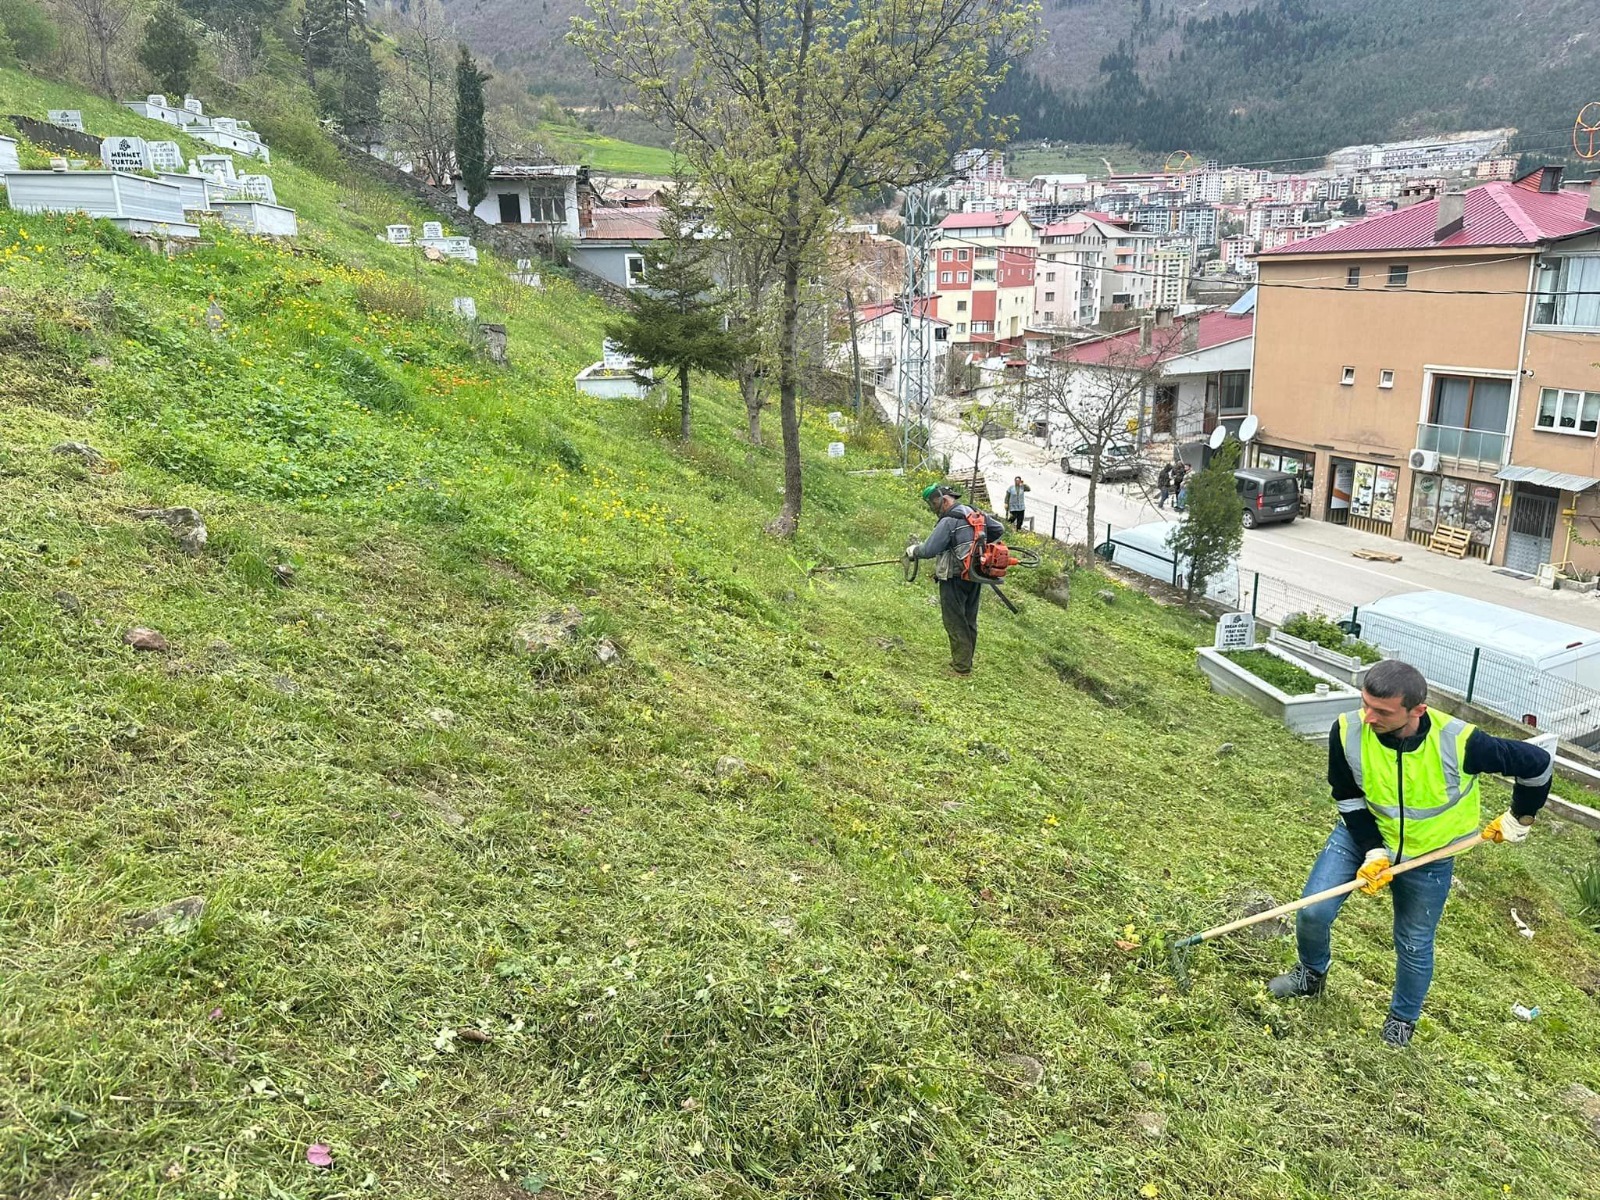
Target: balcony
1481 449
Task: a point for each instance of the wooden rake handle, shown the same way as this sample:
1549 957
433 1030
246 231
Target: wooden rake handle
1450 851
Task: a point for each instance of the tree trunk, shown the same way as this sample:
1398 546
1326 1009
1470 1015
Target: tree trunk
683 404
788 520
1094 485
750 388
855 348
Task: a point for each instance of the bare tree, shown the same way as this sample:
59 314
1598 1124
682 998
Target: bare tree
787 112
419 101
1098 392
102 24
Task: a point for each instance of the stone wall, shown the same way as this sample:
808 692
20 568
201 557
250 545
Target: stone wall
54 137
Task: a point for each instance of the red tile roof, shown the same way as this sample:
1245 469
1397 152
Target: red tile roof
1495 214
1217 327
981 220
1064 228
625 224
924 308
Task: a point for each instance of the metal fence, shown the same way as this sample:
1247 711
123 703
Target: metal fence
1515 688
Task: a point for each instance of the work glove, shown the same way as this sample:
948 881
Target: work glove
1375 870
1506 828
911 550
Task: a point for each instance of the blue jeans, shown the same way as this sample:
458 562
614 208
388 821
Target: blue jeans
1419 898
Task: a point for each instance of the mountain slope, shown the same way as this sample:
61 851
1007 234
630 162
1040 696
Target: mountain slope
768 907
1241 79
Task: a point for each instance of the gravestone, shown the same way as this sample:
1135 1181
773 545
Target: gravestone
190 104
432 229
225 125
836 420
835 449
524 265
1235 631
613 357
217 166
214 317
125 154
165 156
257 187
466 308
399 235
67 118
156 100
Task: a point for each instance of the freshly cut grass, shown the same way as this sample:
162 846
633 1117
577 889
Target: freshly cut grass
767 906
1287 677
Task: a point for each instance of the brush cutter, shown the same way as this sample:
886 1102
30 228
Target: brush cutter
1183 947
877 562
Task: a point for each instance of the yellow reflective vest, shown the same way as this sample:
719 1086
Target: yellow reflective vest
1421 798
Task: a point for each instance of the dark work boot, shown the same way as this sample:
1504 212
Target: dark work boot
1301 981
1397 1033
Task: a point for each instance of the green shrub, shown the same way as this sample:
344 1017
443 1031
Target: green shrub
1285 676
1587 885
1325 632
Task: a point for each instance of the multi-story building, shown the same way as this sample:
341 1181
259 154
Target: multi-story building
1436 366
1237 252
1068 274
1198 223
1126 279
983 274
1171 264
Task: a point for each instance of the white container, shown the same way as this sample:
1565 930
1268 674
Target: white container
1309 716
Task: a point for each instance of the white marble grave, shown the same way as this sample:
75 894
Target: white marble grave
165 156
67 118
217 166
466 307
398 235
8 155
432 229
257 187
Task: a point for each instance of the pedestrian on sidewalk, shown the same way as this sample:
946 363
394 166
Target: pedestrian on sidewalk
947 545
1163 485
1405 781
1017 502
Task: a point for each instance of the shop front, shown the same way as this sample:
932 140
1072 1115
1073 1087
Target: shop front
1448 500
1302 464
1364 495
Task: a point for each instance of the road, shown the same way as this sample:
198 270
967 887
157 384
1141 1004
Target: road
1299 563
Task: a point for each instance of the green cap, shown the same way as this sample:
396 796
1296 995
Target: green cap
929 492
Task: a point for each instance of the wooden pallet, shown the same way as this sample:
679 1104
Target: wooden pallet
1447 539
973 487
1376 556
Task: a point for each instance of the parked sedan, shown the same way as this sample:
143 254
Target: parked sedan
1120 460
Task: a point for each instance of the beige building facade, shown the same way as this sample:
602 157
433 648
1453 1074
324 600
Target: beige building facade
1440 366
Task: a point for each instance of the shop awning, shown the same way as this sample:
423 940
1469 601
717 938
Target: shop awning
1544 478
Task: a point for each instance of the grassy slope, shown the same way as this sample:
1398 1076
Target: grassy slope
799 979
609 155
1088 160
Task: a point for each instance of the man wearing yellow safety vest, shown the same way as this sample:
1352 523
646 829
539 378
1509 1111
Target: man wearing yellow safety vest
1406 782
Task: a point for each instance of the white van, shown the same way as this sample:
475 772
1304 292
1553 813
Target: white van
1143 548
1530 669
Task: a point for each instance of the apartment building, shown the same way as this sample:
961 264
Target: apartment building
1068 274
1171 265
1126 278
1436 366
983 274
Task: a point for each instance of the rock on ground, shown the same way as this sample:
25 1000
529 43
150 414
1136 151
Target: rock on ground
548 634
1251 901
178 917
82 451
1586 1104
186 525
141 638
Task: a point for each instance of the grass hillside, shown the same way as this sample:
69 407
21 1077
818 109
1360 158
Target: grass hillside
769 906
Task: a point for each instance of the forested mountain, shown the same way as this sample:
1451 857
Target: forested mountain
1241 79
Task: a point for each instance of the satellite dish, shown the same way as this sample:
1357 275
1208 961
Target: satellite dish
1218 436
1249 427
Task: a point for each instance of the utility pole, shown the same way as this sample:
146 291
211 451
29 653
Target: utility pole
916 335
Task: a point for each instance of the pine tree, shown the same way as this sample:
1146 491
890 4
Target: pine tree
472 154
169 51
676 321
1212 530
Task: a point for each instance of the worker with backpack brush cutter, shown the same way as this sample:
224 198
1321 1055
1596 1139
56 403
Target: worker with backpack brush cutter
968 550
1406 783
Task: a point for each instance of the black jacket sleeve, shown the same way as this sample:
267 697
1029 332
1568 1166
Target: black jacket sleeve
1352 801
1529 768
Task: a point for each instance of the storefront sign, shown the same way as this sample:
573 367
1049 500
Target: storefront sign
1385 487
1364 478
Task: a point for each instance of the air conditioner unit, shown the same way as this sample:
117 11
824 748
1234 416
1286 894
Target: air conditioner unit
1424 460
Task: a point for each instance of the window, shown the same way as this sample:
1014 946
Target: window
1569 291
944 276
1352 277
510 208
961 326
983 327
944 255
961 256
961 277
633 265
1049 297
549 209
1386 379
1234 395
1563 411
961 306
1049 276
1399 275
983 276
1348 376
1467 402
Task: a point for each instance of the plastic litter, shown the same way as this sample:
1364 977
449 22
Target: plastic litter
1523 1013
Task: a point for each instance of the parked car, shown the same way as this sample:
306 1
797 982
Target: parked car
1119 461
1267 495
